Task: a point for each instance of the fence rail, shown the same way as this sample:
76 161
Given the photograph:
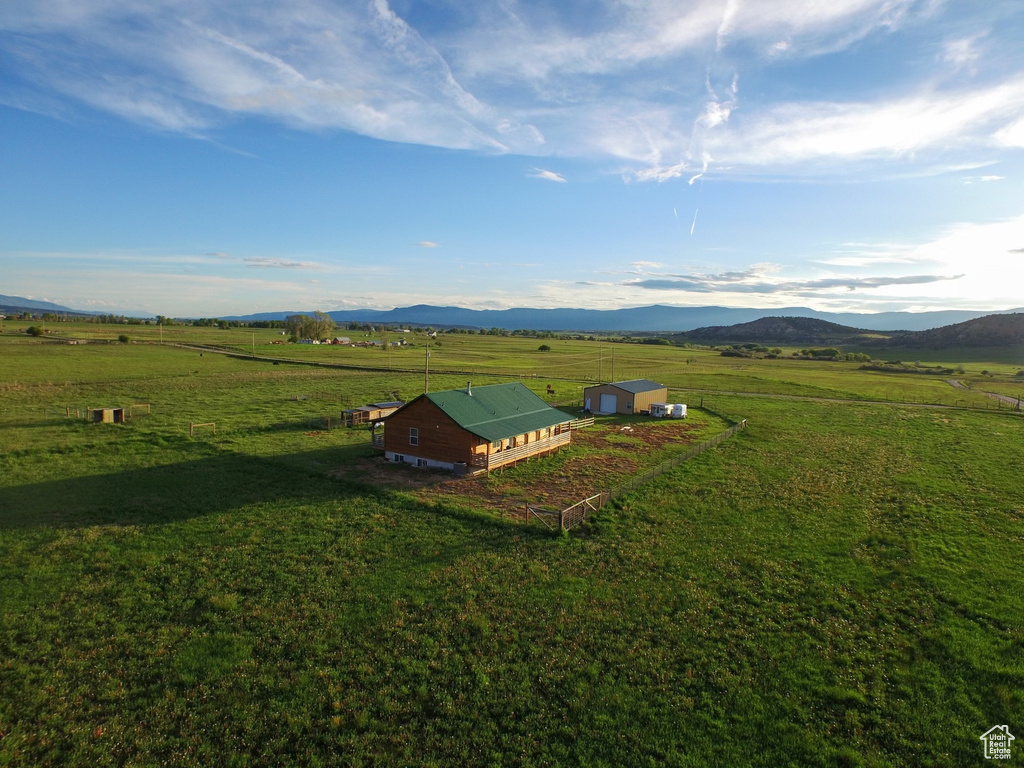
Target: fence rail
520 452
587 421
576 514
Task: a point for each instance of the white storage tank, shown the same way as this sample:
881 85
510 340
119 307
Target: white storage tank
679 411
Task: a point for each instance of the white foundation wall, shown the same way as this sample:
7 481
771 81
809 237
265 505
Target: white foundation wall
417 461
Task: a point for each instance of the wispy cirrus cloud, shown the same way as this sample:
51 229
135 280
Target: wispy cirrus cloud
267 262
654 86
540 173
428 244
814 132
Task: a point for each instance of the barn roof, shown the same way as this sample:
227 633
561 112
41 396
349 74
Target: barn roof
497 411
636 386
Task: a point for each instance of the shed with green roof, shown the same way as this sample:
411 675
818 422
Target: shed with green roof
476 428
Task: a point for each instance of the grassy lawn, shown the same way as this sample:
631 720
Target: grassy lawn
838 584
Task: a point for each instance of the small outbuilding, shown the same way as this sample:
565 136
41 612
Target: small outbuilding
107 415
369 413
635 396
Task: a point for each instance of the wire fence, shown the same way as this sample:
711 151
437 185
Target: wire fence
576 514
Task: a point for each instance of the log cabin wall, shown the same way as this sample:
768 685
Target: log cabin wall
439 437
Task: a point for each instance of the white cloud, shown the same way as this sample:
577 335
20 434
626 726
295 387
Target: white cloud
540 173
499 76
428 244
962 52
1011 135
276 263
803 132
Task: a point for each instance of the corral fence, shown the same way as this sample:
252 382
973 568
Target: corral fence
572 516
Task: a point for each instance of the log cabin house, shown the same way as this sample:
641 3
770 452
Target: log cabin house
470 430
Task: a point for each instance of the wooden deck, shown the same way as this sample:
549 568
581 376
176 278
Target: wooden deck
517 454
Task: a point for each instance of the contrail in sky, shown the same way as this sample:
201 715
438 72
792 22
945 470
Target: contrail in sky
700 192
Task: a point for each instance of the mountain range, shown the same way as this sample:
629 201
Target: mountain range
19 304
656 318
650 319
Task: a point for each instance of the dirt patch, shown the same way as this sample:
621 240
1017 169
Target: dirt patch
600 457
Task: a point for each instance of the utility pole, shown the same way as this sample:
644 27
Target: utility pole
613 363
426 370
254 345
161 333
600 365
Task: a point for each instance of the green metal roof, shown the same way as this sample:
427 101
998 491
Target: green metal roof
497 411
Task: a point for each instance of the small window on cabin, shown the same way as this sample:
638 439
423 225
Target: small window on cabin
414 436
495 447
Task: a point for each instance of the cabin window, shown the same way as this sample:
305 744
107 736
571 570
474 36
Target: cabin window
399 458
414 436
496 447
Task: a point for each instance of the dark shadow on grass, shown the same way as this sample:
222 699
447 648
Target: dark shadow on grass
211 485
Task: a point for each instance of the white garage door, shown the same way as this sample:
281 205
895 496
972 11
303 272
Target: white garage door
608 403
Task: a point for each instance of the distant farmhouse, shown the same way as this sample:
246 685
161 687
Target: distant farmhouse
634 396
469 429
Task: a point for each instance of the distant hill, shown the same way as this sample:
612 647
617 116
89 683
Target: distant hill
650 319
1001 330
783 330
15 305
18 304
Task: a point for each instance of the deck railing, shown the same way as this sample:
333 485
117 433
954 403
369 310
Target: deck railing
520 452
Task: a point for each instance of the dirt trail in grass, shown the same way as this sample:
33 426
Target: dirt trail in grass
995 396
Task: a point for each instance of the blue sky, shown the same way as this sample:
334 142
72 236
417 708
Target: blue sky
214 158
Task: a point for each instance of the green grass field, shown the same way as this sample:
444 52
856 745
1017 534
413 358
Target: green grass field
839 584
